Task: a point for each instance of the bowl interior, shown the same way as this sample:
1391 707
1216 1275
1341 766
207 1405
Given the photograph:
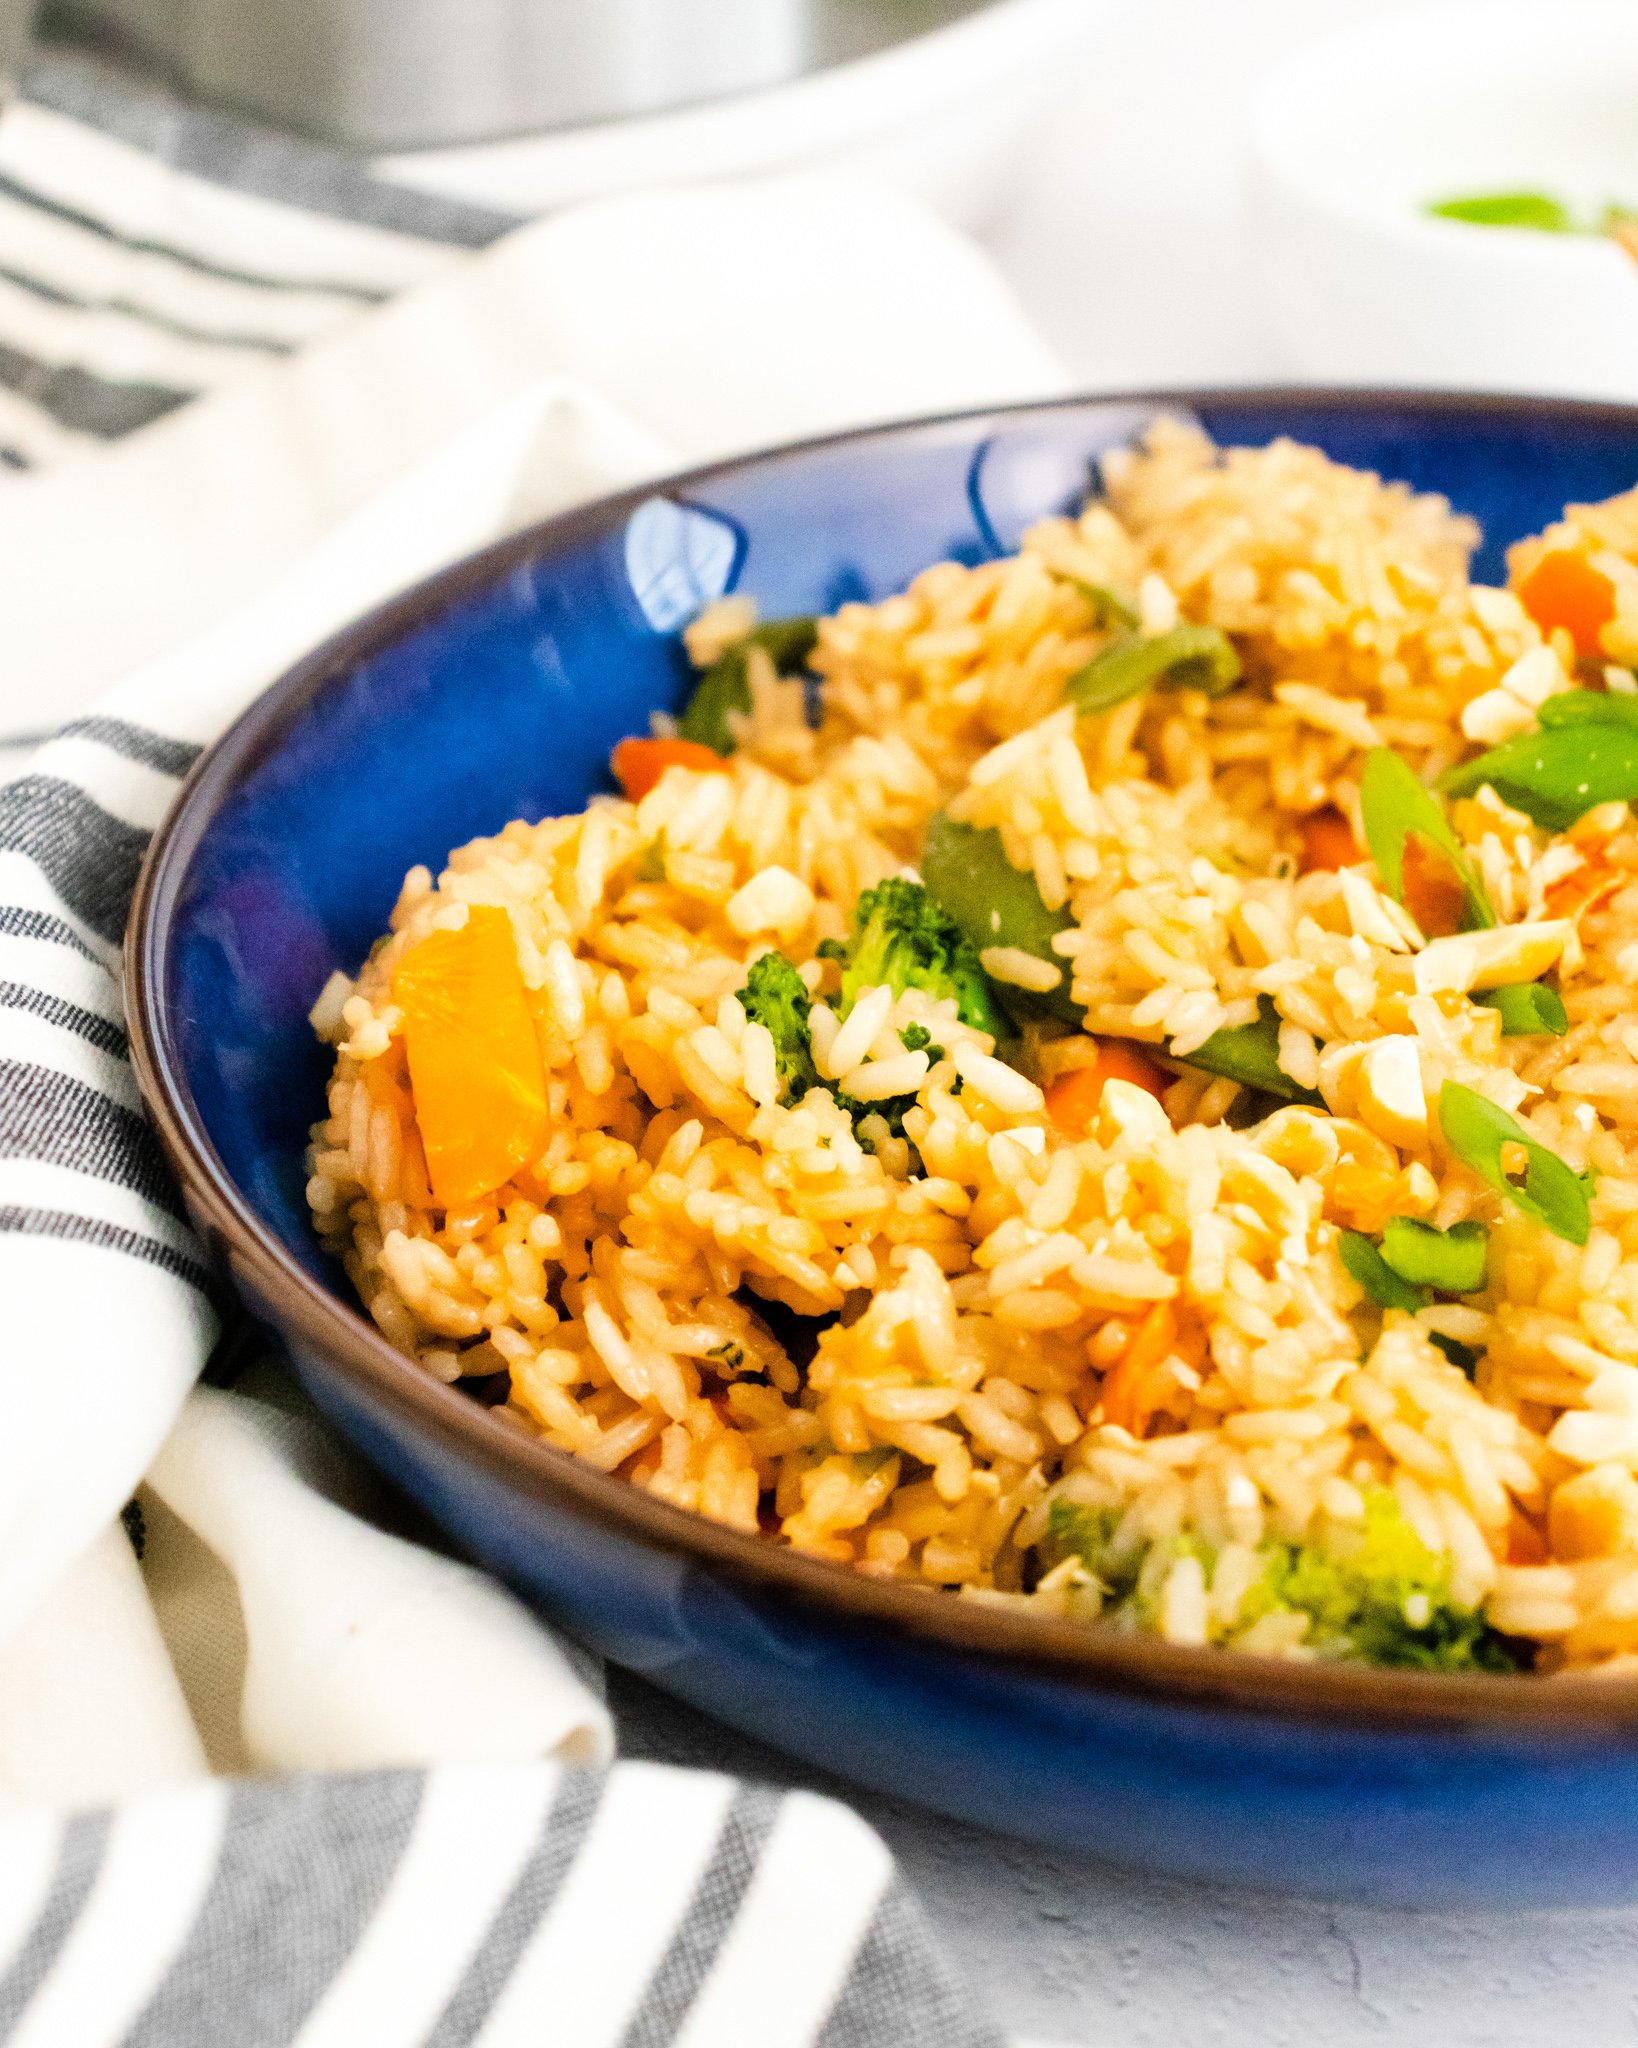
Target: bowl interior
497 690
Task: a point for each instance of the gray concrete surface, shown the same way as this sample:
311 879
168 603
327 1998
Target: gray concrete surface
1068 1951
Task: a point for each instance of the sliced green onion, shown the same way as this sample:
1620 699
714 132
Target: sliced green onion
726 684
1186 658
966 869
1380 1282
1526 1008
1587 707
1535 210
1395 807
1250 1054
1450 1261
1585 753
1553 1193
1462 1356
1109 606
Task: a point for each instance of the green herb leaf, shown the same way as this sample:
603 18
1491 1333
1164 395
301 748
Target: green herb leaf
1396 807
1462 1356
1585 753
726 685
1186 658
1380 1282
995 904
1250 1054
1526 1008
1450 1261
1553 1194
1534 210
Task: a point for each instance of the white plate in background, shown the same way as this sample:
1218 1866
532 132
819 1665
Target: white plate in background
940 116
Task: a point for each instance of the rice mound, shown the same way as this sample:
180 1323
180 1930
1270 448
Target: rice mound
974 1283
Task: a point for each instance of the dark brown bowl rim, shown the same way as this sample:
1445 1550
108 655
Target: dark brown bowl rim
1099 1659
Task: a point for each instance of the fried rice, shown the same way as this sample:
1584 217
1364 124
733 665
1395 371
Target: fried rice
1112 1363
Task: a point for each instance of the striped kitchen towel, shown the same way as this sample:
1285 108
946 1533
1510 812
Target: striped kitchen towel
505 1907
151 250
100 1269
507 1903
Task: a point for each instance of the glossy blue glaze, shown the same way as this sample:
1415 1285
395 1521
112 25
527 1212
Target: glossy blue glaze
500 695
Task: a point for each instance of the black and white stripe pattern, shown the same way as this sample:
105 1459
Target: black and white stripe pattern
77 1157
87 1203
150 250
497 1906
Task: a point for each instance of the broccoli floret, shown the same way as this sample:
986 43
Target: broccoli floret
903 939
1074 1530
1382 1597
776 995
1379 1596
725 687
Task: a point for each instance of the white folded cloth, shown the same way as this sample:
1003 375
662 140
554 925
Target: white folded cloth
279 1629
714 321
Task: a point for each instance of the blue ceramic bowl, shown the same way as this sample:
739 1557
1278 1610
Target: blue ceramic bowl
497 690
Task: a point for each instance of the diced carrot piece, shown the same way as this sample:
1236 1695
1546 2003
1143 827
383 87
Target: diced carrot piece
474 1060
1583 889
1072 1100
639 764
1328 842
387 1082
1564 589
1433 890
1139 1382
1525 1542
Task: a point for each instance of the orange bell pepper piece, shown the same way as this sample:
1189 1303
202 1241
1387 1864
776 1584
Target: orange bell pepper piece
474 1060
1328 842
639 764
1564 589
1139 1381
1072 1100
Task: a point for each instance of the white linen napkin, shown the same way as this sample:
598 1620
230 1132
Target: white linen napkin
714 321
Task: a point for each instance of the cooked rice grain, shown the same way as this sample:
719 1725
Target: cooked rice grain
985 1276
